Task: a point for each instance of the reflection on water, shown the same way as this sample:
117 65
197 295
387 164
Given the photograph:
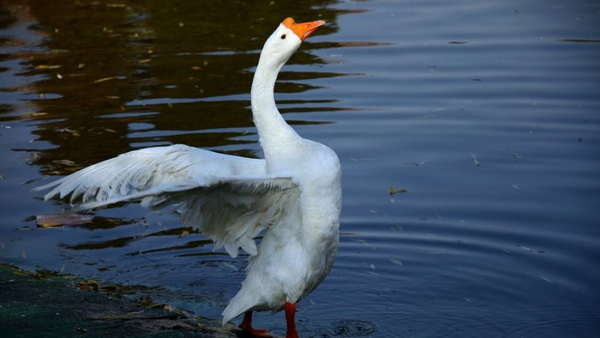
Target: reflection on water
486 114
100 59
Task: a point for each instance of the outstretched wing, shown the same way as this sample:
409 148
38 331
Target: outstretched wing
141 170
230 199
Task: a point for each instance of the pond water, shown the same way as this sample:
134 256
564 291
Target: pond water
485 112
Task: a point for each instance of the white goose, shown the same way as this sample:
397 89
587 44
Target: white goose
294 193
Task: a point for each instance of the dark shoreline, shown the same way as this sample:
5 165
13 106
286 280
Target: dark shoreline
47 304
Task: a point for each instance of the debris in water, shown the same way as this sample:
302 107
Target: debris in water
105 79
312 302
47 67
475 159
397 262
516 186
361 241
393 191
1 177
547 279
517 155
59 76
49 221
416 164
530 249
372 266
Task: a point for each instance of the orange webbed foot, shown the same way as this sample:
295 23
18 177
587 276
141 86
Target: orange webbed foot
246 325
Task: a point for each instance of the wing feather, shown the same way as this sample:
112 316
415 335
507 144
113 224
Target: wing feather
145 169
230 199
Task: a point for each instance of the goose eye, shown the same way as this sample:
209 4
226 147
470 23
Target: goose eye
283 36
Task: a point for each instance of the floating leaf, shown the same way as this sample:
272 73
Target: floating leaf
49 221
393 191
47 67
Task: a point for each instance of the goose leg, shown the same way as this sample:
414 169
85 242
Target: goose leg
246 325
290 311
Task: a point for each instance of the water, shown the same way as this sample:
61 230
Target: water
485 112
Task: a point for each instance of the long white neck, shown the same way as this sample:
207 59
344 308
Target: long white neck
276 136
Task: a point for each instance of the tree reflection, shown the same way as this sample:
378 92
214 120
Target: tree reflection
102 58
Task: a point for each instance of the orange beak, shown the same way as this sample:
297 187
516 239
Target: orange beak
303 30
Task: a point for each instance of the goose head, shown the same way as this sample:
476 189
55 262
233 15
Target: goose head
287 38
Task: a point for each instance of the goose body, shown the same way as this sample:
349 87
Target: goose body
294 194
